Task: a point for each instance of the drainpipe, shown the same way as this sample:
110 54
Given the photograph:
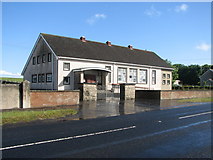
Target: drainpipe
113 73
53 77
150 79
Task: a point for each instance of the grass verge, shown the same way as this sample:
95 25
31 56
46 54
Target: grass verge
196 100
11 117
12 79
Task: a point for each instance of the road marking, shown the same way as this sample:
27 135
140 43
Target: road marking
67 138
193 115
126 140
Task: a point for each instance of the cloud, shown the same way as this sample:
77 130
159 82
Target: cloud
152 12
182 8
5 73
203 47
95 18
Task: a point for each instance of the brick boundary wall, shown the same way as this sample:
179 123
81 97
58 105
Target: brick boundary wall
185 94
41 98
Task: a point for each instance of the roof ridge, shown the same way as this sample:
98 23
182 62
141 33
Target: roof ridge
97 42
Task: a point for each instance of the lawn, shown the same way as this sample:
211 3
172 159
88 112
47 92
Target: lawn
17 116
197 100
11 79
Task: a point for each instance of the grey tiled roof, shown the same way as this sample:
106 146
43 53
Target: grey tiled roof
71 47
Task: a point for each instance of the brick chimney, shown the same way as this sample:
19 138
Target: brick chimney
130 47
108 43
83 39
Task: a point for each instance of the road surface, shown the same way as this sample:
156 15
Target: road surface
174 133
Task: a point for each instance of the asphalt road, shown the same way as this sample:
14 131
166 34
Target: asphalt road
174 133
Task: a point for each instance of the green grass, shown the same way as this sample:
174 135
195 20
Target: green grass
197 100
12 79
17 116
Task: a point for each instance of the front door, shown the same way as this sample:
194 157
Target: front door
90 78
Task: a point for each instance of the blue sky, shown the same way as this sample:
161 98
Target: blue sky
177 31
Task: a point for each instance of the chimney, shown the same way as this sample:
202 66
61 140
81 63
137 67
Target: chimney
108 43
83 39
130 47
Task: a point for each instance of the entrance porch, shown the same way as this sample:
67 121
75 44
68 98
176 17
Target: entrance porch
94 75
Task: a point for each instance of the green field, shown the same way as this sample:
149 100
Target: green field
11 79
197 100
17 116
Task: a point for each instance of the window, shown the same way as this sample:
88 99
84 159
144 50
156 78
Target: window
42 78
168 82
39 78
142 76
164 76
133 75
34 60
164 82
109 73
66 81
121 75
168 76
43 58
49 57
66 66
49 77
34 78
38 59
153 77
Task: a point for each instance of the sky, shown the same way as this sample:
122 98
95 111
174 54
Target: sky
177 31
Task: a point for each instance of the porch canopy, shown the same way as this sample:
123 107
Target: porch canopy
91 68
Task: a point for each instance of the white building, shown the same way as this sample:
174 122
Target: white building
61 63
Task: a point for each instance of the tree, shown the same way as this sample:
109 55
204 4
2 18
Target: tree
174 72
188 75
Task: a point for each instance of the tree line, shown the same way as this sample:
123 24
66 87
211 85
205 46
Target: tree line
188 75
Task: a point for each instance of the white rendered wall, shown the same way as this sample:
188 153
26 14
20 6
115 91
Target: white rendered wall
76 64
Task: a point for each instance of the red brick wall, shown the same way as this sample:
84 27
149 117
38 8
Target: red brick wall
185 94
53 98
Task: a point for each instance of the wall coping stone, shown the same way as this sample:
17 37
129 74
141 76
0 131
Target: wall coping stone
185 90
54 91
127 83
88 83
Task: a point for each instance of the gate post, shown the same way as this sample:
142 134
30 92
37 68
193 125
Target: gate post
88 92
127 91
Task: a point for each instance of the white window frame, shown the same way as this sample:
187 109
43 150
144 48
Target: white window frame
133 78
168 76
49 57
168 82
143 77
66 66
38 59
109 74
34 60
43 58
122 73
34 78
42 78
39 78
66 82
49 77
154 77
